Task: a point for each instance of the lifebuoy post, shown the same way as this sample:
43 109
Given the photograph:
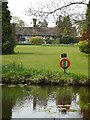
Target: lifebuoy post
64 62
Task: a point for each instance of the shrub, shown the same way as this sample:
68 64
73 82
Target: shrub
84 46
56 41
8 47
35 40
67 40
48 40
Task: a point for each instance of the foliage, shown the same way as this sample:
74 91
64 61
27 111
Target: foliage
18 21
43 23
48 40
56 41
85 36
8 42
17 74
67 26
12 67
88 18
81 27
35 40
84 26
67 40
59 24
84 46
64 26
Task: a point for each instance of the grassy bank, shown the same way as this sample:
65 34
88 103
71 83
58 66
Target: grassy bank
40 65
17 74
48 57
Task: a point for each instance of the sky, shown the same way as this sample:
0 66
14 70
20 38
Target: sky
18 8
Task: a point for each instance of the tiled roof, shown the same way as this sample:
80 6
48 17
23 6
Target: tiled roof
36 31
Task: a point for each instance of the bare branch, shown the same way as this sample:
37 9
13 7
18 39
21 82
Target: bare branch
52 10
74 3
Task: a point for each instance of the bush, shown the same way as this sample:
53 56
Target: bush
84 46
48 40
35 40
8 47
67 40
56 41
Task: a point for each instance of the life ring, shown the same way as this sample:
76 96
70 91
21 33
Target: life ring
68 63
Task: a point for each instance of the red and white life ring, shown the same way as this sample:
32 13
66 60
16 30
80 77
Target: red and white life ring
68 62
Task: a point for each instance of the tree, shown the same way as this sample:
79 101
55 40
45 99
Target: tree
60 27
19 22
51 10
84 45
67 26
64 26
0 12
88 19
56 8
8 42
0 19
85 25
43 23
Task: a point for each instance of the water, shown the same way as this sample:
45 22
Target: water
45 102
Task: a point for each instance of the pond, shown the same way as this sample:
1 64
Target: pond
50 102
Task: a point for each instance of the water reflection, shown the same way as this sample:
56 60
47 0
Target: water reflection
45 102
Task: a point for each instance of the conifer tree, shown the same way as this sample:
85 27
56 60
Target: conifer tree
8 42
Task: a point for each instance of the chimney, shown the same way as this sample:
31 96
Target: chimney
4 1
34 22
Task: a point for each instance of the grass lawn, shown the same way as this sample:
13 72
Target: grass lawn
48 57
